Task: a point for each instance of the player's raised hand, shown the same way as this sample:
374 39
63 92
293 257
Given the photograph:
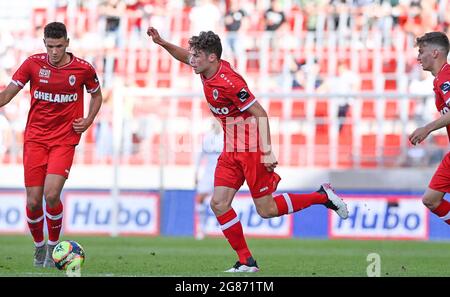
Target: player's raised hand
154 34
270 161
419 135
80 125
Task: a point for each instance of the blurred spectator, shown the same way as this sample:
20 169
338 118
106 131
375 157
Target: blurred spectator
234 20
421 84
110 13
206 16
274 19
103 130
345 82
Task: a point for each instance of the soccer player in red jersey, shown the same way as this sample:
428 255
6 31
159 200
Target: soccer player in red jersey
247 155
54 127
433 52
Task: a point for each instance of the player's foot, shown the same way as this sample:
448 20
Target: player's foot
48 262
39 256
334 202
250 266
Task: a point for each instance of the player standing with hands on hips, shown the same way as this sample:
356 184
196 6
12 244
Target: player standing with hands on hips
247 155
433 52
54 127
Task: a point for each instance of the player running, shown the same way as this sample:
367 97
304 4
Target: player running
433 52
247 154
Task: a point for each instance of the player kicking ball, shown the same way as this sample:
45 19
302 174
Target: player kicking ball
247 154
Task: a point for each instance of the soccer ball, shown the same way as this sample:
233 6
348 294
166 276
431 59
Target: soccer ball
68 255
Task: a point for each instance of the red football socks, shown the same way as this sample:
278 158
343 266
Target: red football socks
232 229
443 211
35 220
54 222
289 203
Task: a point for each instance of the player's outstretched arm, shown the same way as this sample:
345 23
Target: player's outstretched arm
421 133
7 94
179 53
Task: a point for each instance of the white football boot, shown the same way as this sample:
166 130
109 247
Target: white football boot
251 266
334 202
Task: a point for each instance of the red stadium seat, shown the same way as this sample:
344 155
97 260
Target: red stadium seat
391 150
322 146
184 108
298 150
279 144
368 154
321 109
182 149
345 147
441 140
368 109
298 109
275 108
391 110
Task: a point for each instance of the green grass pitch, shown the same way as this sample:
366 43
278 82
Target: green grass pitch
182 256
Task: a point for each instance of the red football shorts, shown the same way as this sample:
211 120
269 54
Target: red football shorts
233 168
441 178
40 160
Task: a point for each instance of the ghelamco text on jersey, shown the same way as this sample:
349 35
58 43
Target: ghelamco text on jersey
59 98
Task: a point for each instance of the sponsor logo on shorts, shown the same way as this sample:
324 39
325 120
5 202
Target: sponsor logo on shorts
263 189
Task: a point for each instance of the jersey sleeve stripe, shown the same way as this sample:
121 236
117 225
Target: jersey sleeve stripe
93 90
248 105
448 101
18 83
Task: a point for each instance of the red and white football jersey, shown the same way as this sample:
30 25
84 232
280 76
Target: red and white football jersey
228 98
56 97
441 88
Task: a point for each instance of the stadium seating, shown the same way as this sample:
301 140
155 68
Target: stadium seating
326 142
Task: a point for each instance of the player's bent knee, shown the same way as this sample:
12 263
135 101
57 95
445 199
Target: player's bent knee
34 204
430 203
219 206
267 212
52 197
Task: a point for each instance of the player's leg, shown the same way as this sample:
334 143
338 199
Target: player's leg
268 206
59 164
35 164
232 228
263 183
35 220
200 209
433 198
205 188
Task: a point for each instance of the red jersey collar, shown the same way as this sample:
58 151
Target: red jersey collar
65 65
215 74
443 66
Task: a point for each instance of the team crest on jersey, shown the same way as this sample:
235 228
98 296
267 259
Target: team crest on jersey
243 95
45 73
445 87
215 94
72 80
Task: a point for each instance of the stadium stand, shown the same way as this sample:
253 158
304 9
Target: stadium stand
379 48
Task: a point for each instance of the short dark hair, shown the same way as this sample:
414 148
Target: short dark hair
209 42
435 38
55 30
